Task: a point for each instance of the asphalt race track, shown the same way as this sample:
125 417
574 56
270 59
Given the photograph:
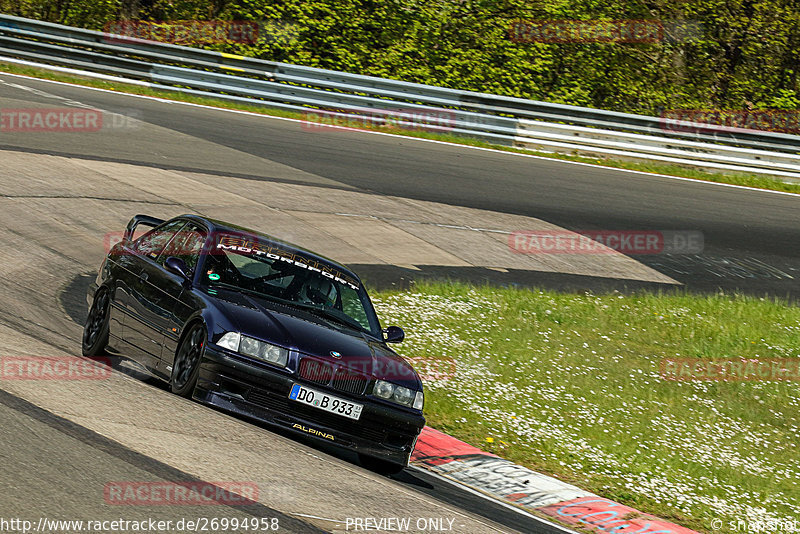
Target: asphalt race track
751 238
60 193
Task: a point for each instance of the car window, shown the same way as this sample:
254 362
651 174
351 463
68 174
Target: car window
151 243
263 267
353 306
186 245
251 267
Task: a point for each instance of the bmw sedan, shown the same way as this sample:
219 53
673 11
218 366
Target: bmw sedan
256 326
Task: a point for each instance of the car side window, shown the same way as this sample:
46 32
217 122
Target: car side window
151 243
186 245
352 306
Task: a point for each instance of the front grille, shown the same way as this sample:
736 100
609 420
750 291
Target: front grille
341 378
350 382
315 371
268 400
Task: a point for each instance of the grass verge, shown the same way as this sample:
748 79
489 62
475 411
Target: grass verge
570 385
749 180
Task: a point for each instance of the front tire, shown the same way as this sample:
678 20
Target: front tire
186 367
95 330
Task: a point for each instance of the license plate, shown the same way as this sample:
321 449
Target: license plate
323 401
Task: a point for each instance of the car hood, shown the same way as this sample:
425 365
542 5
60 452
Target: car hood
312 335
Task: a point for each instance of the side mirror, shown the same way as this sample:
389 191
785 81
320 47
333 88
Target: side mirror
179 267
393 334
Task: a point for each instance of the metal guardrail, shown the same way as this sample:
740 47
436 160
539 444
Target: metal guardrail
498 119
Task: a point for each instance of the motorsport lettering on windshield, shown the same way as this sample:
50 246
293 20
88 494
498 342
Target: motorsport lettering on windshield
248 246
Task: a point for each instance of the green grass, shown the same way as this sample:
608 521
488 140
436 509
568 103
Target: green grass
749 180
569 384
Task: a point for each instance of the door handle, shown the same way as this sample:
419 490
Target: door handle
143 277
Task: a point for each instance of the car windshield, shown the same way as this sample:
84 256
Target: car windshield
255 266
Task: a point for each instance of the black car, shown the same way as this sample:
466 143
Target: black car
256 326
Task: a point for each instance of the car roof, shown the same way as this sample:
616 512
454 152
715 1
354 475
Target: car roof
215 225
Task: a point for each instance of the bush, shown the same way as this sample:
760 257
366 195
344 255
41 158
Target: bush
736 54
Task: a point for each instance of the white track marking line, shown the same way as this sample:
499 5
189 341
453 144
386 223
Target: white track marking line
66 101
309 516
491 150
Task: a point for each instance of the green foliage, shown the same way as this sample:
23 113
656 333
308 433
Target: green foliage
722 54
578 385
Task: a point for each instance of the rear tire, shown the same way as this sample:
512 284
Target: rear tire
95 330
186 367
377 465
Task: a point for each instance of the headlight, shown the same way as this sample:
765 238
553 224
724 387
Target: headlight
230 341
383 389
403 396
254 348
398 394
250 346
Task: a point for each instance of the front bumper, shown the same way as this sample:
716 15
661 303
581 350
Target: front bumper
237 385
